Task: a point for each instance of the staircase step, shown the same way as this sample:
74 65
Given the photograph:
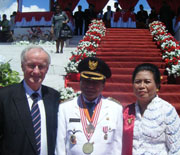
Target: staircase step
125 42
130 59
126 49
132 64
128 78
128 53
116 36
129 71
126 30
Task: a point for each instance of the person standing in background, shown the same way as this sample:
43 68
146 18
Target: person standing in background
116 6
89 14
166 16
12 22
5 32
153 16
79 18
107 17
59 18
141 18
28 110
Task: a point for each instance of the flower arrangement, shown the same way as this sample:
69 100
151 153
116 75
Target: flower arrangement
87 46
67 93
169 46
34 36
7 75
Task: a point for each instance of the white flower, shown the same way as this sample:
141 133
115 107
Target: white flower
67 93
169 47
174 70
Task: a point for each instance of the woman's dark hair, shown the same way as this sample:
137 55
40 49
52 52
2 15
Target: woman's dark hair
58 6
148 67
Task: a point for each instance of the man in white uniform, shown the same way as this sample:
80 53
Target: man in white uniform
90 123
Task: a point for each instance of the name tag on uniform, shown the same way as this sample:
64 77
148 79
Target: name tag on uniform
74 120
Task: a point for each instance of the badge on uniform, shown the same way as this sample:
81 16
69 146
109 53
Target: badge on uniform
73 136
74 120
73 139
130 120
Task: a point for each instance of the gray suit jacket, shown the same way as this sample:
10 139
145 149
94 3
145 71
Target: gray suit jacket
16 129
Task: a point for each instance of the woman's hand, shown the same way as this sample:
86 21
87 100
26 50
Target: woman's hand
65 21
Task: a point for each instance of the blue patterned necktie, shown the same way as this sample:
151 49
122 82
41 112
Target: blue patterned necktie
36 120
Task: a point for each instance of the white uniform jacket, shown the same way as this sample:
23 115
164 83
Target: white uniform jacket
69 120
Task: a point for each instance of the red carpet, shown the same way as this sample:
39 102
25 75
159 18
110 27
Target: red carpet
122 50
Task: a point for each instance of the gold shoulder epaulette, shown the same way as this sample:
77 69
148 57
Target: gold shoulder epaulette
113 99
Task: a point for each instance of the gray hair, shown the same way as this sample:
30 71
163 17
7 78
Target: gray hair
23 54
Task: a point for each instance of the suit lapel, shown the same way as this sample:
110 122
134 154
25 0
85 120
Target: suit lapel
47 105
49 110
21 103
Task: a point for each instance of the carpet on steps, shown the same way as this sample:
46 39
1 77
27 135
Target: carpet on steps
123 50
129 53
135 42
127 46
132 64
130 59
129 71
124 39
126 49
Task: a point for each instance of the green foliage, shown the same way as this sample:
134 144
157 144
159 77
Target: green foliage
7 75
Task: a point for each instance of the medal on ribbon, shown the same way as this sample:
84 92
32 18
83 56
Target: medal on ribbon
88 148
89 128
105 130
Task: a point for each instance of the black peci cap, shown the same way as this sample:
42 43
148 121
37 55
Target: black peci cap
94 68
